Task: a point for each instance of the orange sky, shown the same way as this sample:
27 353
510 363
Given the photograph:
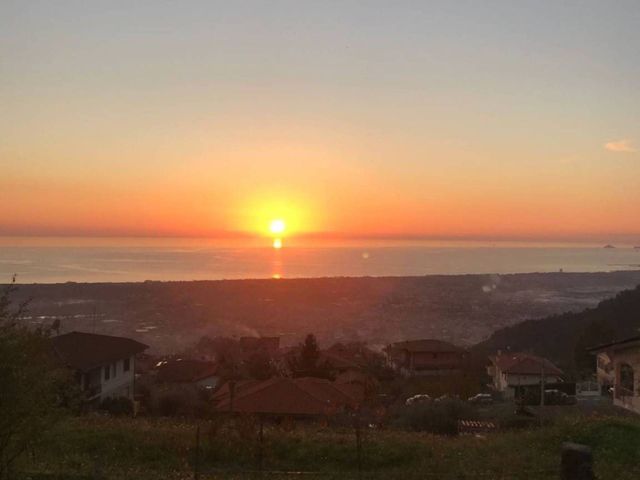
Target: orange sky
365 121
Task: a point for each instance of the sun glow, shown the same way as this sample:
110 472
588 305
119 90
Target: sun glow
277 243
277 226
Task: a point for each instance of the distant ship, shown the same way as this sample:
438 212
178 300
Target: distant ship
609 246
637 247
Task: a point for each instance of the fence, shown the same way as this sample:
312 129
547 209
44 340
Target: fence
257 449
575 463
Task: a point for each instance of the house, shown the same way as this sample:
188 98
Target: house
353 354
510 371
426 357
336 362
103 365
196 373
618 366
281 396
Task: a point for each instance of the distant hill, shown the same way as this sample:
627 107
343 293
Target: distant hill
564 338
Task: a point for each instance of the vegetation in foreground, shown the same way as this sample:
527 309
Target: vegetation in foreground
163 448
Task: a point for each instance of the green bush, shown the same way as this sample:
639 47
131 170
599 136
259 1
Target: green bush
33 386
117 406
172 404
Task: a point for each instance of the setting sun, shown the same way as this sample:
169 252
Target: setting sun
277 226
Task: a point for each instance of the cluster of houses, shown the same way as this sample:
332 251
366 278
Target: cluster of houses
107 366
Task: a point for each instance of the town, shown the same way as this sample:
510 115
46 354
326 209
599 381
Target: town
258 392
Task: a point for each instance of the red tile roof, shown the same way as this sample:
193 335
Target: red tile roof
240 386
86 351
287 396
354 390
325 389
524 364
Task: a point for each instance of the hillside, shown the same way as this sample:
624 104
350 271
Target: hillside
565 337
463 309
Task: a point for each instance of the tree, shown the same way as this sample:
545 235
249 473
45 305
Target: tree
32 385
260 366
596 333
309 353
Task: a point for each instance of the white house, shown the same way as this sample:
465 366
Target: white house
618 366
103 365
512 370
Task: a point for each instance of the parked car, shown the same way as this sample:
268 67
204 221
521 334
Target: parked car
420 398
481 398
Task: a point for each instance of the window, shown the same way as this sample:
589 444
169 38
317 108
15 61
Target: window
107 372
126 365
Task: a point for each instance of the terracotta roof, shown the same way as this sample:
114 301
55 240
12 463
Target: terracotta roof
185 371
325 389
354 390
426 345
240 386
524 364
86 351
287 396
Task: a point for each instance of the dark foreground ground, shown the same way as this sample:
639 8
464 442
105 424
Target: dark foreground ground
166 449
463 309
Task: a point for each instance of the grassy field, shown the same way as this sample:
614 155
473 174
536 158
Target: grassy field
164 449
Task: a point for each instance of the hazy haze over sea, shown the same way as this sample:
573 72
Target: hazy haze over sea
48 262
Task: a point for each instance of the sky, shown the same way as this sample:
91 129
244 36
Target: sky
351 119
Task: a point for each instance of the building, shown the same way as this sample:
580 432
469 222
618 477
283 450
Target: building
618 368
354 354
426 357
284 397
510 371
196 373
103 365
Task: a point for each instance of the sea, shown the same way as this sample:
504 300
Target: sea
124 260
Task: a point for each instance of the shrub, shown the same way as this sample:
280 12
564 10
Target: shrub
180 401
439 417
117 405
32 385
171 404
